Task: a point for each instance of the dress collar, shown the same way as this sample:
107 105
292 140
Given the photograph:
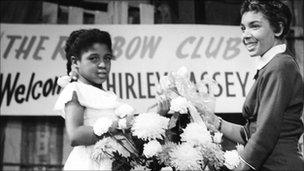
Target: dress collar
90 85
272 52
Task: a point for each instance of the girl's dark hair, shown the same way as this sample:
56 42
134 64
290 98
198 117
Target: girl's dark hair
80 40
274 10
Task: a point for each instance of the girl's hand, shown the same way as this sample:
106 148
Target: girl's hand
130 121
124 123
114 128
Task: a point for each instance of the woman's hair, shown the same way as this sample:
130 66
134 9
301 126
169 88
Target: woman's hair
275 11
80 40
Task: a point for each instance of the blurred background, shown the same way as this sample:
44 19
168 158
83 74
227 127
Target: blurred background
40 142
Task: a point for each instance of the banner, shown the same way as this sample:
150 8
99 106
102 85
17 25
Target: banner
32 58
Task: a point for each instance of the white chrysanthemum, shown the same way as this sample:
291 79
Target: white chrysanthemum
104 148
232 159
186 157
63 80
164 155
148 126
239 148
182 72
166 169
164 83
102 125
139 167
152 148
179 104
105 164
196 134
217 138
214 154
124 110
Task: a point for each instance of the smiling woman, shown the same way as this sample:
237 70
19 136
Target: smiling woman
258 35
263 27
274 105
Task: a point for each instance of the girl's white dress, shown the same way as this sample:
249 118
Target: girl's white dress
97 103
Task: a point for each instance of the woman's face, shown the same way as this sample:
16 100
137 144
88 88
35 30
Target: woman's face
257 34
95 64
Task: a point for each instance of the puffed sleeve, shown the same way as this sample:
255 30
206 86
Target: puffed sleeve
65 96
87 96
274 94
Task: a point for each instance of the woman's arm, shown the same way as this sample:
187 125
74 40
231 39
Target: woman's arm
277 88
231 131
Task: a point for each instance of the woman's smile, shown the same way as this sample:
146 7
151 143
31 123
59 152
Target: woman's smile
258 36
251 46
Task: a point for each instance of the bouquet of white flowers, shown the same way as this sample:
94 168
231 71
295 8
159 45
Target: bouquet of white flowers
191 143
180 139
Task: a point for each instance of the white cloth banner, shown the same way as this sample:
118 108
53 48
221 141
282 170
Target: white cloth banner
32 58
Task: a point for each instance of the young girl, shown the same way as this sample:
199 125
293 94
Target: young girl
83 100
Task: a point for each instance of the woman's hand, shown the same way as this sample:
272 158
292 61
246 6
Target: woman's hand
130 121
212 121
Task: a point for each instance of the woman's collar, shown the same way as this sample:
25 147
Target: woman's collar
267 57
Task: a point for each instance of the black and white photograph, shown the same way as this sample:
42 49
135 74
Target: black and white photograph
152 85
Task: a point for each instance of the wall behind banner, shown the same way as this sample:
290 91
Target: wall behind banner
37 141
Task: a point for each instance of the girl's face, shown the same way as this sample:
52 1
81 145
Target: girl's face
94 64
257 34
